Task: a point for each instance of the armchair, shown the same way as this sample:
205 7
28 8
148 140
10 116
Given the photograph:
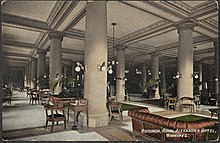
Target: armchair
187 103
115 109
56 114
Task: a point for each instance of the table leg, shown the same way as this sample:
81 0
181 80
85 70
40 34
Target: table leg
74 127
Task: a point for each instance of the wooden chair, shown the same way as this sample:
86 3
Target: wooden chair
56 114
34 97
187 103
44 96
115 108
171 102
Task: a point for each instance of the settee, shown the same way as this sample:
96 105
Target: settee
164 129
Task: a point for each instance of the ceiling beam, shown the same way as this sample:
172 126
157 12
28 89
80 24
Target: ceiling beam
196 41
16 59
19 44
30 24
16 54
80 14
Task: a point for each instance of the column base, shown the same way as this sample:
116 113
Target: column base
98 120
121 98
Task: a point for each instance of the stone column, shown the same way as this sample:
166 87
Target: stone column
155 72
29 75
73 72
144 78
41 63
33 72
164 77
215 43
25 77
120 74
95 82
185 60
65 69
55 67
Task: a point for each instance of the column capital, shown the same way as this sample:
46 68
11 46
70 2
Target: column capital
155 53
186 25
33 59
56 35
120 47
42 51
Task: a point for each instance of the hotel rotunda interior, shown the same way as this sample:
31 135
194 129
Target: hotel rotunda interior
109 70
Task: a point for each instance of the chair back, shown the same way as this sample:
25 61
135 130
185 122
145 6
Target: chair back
186 100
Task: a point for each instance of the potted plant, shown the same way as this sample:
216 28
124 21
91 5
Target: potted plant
151 86
62 81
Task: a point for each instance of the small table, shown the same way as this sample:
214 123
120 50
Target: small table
78 106
214 111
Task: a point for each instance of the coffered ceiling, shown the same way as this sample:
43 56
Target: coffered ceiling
142 26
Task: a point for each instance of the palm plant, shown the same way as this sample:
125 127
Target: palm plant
152 83
65 81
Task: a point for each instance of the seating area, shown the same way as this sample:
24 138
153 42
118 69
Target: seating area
121 122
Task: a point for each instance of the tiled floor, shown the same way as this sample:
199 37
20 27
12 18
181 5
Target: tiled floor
20 115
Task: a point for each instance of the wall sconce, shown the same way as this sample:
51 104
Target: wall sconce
178 75
44 76
79 67
57 74
110 71
195 75
103 68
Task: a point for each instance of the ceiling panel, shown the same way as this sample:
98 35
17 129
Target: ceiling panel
204 46
15 49
32 9
128 19
162 39
22 35
73 44
193 3
81 24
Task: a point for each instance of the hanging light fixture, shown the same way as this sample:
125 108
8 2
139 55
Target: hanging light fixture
113 42
195 73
